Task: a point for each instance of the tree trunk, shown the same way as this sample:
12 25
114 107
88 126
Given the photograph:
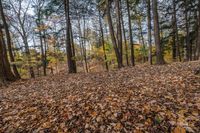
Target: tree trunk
176 34
5 65
73 46
119 28
142 39
149 31
117 53
8 39
41 45
71 62
159 51
187 38
198 36
84 47
45 52
130 34
126 46
102 41
28 54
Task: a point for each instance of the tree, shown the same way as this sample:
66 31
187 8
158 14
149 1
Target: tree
198 35
102 39
70 60
112 34
8 39
130 34
119 28
159 49
176 46
5 70
21 22
39 5
149 30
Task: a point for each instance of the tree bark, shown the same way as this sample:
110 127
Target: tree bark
159 51
198 36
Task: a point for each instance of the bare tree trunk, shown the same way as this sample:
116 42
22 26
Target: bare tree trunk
42 49
84 42
130 34
8 39
102 41
71 62
175 32
118 56
73 45
126 46
149 30
119 28
45 52
5 65
198 36
159 51
187 56
142 39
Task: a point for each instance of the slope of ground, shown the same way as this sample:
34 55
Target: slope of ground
154 99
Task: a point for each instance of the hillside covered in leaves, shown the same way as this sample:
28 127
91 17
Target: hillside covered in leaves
151 99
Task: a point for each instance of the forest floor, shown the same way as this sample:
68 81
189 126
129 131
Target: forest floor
154 99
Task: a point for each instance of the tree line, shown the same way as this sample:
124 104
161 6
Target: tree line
37 35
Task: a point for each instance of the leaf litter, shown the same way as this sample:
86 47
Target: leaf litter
154 99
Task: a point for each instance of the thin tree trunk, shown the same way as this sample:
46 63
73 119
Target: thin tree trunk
130 34
73 46
118 56
159 51
102 41
126 46
142 39
187 38
176 33
9 43
84 47
45 52
149 31
41 46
